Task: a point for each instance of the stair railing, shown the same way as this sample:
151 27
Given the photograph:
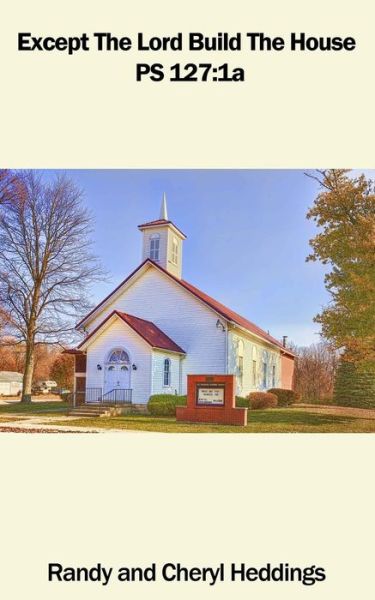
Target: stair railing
118 396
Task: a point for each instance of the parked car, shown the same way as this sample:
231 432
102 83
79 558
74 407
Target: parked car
45 387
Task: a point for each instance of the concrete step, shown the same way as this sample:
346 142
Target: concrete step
91 408
94 410
89 411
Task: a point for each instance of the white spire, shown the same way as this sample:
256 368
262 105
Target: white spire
163 208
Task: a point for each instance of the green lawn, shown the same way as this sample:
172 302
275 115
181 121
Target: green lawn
269 421
282 420
34 408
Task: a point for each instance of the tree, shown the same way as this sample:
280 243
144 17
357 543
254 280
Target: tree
344 210
355 384
9 183
62 371
46 263
4 320
12 357
315 368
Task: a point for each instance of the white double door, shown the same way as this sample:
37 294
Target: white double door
116 377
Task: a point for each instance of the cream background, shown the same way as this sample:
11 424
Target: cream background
200 499
295 109
137 498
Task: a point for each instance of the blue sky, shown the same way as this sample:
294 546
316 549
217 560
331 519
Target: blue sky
247 237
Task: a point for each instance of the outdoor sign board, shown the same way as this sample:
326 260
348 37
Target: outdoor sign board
211 399
209 394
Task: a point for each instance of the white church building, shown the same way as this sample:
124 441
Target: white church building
155 328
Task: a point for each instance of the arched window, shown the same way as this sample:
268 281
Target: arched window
240 362
167 373
118 356
175 251
154 246
273 376
254 368
265 369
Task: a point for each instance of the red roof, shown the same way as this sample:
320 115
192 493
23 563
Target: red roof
160 222
230 315
154 336
223 310
157 222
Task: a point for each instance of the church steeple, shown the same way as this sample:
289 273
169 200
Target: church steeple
162 241
163 208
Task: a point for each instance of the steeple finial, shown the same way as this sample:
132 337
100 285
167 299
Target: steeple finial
163 209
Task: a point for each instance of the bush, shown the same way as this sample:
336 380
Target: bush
285 397
242 402
261 400
164 405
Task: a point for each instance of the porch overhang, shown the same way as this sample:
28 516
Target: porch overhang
148 331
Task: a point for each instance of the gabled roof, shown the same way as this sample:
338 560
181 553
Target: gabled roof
221 309
230 315
11 376
154 336
159 223
153 223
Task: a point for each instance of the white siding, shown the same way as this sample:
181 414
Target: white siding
167 235
15 387
191 324
163 232
158 373
10 388
175 269
118 335
261 353
5 388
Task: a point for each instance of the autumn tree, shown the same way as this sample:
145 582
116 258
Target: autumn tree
62 371
11 357
315 369
46 263
4 320
344 211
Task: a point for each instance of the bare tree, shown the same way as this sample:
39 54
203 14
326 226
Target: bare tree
8 186
315 372
46 264
3 319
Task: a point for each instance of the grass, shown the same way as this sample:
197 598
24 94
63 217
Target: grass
282 420
34 408
268 421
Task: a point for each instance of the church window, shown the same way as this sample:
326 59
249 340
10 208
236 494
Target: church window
254 373
264 374
154 246
240 362
118 356
175 251
273 376
167 372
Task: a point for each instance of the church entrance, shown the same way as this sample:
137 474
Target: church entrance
117 373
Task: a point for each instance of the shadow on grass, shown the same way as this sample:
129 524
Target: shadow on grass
34 408
294 417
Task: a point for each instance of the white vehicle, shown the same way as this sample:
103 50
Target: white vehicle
47 386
